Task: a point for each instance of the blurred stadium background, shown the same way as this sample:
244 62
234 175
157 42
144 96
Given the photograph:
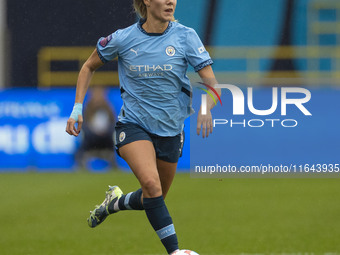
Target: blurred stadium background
45 194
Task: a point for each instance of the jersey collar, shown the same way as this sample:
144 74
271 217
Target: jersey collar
142 21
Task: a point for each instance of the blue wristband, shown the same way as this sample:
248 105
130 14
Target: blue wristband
77 110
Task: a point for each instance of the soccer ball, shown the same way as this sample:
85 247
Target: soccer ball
185 252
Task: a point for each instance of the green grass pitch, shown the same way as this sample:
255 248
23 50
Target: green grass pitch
44 214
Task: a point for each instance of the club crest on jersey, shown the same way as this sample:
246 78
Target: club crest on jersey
201 49
103 42
170 51
121 136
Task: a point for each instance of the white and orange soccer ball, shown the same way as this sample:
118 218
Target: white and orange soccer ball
185 252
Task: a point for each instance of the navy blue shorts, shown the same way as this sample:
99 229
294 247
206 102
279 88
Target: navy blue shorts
167 148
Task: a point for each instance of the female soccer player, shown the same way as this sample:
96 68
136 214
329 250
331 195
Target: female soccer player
153 57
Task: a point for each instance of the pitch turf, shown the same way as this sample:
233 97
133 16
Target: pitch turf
46 214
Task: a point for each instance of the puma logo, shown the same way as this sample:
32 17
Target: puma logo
135 51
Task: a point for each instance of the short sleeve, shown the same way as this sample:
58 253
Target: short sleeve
195 52
107 47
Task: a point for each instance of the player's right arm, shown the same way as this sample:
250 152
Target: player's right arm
84 79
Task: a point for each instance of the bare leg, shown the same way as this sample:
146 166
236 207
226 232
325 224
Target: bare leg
141 157
166 173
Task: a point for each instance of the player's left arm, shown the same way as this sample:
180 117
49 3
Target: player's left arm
204 122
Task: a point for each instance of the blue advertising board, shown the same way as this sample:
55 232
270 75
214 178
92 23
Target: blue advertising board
33 121
32 129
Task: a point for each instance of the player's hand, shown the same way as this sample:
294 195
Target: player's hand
76 117
204 122
71 128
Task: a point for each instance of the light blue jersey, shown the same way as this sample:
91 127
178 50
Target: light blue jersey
152 73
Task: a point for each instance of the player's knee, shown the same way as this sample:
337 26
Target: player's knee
151 187
164 194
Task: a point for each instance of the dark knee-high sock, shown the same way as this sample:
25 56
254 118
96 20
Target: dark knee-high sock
161 221
130 201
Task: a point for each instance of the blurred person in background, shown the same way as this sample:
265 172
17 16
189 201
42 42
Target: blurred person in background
153 57
98 129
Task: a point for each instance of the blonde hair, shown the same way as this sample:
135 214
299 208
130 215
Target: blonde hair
140 9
